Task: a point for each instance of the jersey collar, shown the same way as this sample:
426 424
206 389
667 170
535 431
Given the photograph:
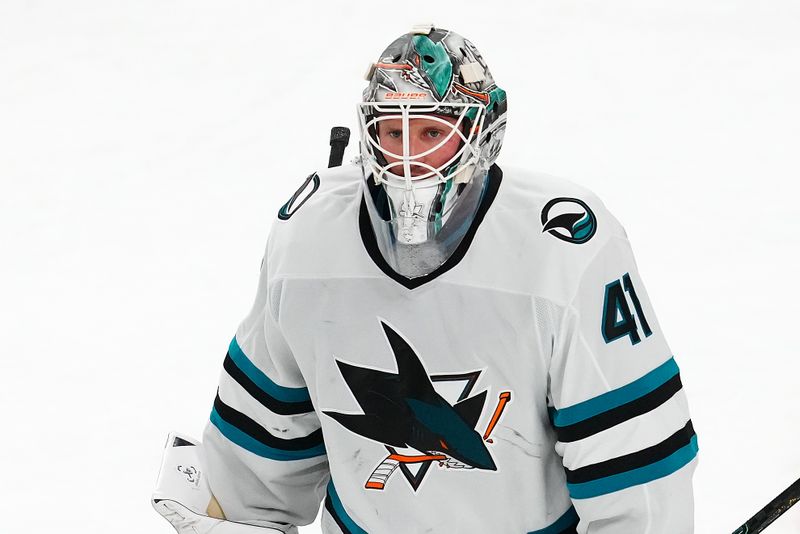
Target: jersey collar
371 245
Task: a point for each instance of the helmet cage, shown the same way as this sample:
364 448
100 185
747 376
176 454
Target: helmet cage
469 121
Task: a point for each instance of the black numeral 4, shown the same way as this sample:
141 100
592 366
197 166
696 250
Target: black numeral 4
618 321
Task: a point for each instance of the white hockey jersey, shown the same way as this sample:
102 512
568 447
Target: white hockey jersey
523 387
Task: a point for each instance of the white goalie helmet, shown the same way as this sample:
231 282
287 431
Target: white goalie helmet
431 124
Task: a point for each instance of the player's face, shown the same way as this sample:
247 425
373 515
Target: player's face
424 135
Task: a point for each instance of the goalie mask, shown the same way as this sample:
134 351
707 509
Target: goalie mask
431 123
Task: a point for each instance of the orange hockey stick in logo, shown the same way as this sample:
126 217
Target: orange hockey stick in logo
505 397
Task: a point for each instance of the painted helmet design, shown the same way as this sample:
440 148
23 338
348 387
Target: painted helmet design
437 75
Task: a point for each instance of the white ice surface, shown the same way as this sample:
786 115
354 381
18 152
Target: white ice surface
146 146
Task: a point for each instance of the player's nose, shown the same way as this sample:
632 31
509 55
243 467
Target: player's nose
416 146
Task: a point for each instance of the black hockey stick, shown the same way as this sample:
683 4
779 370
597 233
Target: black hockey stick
772 511
340 136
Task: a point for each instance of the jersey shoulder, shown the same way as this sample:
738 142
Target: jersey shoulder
315 227
322 190
551 227
556 201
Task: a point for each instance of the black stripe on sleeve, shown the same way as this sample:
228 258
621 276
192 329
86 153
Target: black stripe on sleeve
641 458
331 510
267 400
620 414
258 432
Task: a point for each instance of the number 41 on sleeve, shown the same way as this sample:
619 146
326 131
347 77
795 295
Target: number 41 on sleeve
618 321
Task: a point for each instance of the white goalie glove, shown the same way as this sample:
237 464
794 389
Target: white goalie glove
182 494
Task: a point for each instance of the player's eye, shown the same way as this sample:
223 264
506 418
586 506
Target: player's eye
395 134
434 133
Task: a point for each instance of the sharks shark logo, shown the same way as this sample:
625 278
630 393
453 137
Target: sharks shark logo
412 418
569 219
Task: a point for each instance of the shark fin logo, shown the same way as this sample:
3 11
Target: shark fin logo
569 219
413 419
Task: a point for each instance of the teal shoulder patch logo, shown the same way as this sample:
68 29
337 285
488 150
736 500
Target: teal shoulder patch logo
569 219
299 197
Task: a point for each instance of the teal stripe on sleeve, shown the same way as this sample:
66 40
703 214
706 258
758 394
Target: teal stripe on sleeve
569 519
281 393
251 444
635 477
616 397
340 511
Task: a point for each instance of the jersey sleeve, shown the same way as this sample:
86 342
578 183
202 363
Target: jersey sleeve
618 406
264 452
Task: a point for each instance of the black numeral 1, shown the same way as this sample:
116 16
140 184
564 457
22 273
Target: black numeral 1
626 279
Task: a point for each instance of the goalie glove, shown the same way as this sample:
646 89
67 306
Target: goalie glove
182 493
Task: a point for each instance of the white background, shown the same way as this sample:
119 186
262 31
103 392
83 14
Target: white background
145 148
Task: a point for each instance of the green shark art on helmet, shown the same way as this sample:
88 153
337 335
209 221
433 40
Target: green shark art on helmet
435 63
436 75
